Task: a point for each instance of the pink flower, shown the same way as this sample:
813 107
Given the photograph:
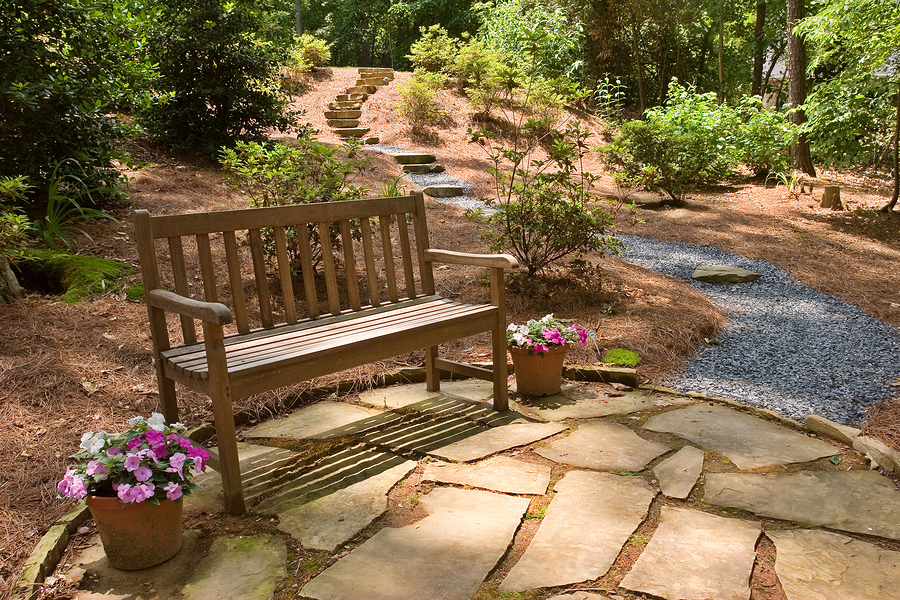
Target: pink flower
132 462
199 456
176 464
95 468
554 337
160 451
142 473
173 491
143 491
114 451
124 493
540 348
133 443
154 437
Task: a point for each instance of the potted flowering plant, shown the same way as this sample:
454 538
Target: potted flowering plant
133 483
538 350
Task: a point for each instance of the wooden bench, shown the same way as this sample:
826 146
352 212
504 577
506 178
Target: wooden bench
378 301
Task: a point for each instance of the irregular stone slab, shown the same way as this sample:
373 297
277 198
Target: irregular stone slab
498 474
579 402
604 447
857 501
836 431
369 140
696 555
342 123
343 114
329 521
724 274
749 442
102 581
443 191
410 158
678 474
321 420
497 439
445 555
345 105
239 568
353 132
586 524
878 453
361 89
399 396
821 565
580 596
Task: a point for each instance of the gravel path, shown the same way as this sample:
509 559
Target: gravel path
787 348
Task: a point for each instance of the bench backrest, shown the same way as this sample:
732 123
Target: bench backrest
369 253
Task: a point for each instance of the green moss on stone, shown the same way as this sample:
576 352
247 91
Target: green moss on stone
622 357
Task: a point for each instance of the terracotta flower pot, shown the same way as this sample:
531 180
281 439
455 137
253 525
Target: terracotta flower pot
137 535
536 375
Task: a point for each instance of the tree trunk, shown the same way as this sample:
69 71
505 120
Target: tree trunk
831 198
704 52
759 49
797 90
721 53
298 18
765 83
890 205
636 48
9 285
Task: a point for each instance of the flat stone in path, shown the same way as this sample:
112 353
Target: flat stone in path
409 158
605 447
498 474
446 555
580 402
821 565
580 596
858 501
497 439
678 474
404 395
239 568
724 274
696 555
749 442
586 524
327 522
444 191
317 421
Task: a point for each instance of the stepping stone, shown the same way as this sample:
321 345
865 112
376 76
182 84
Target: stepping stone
603 446
858 501
586 524
342 123
423 169
373 81
338 471
749 442
580 402
497 439
348 105
822 426
410 158
696 555
878 453
351 97
445 555
724 274
328 522
678 474
343 114
444 191
498 474
370 140
239 568
403 395
580 596
825 565
320 421
361 89
352 132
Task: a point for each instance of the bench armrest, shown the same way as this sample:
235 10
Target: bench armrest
497 261
209 312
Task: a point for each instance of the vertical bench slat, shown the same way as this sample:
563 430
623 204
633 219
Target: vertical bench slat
262 284
334 300
407 256
350 265
306 265
179 273
236 281
284 275
388 251
426 274
207 271
369 254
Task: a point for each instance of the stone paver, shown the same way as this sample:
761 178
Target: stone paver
445 555
578 402
603 446
320 421
580 596
497 439
821 565
696 555
327 522
498 474
724 274
857 501
396 396
678 474
586 524
747 441
239 568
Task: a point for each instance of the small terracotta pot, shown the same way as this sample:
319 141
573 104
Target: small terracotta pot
536 375
137 535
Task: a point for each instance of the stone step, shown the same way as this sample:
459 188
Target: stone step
413 159
376 72
343 114
354 132
342 123
376 81
362 89
422 169
370 140
351 97
344 105
443 191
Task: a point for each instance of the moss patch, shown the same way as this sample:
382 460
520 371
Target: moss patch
77 278
622 357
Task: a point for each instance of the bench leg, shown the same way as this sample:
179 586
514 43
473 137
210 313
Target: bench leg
167 397
501 384
432 373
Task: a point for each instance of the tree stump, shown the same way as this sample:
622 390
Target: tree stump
831 198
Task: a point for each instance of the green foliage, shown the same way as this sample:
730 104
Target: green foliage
135 293
622 357
418 101
308 51
763 137
81 277
478 64
435 51
15 227
609 98
216 76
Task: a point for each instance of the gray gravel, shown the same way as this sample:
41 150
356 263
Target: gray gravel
787 348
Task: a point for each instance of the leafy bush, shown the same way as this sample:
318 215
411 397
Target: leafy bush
435 51
14 226
764 137
307 52
418 104
478 64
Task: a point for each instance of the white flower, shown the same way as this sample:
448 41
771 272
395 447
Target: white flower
519 338
136 421
157 422
93 442
512 327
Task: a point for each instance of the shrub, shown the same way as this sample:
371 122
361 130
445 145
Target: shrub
764 138
308 51
478 64
435 51
418 104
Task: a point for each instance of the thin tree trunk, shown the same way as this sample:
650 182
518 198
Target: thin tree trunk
759 49
635 47
765 83
721 53
797 90
298 18
704 52
890 205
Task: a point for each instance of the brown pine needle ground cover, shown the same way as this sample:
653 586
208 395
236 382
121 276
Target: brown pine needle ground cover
67 369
